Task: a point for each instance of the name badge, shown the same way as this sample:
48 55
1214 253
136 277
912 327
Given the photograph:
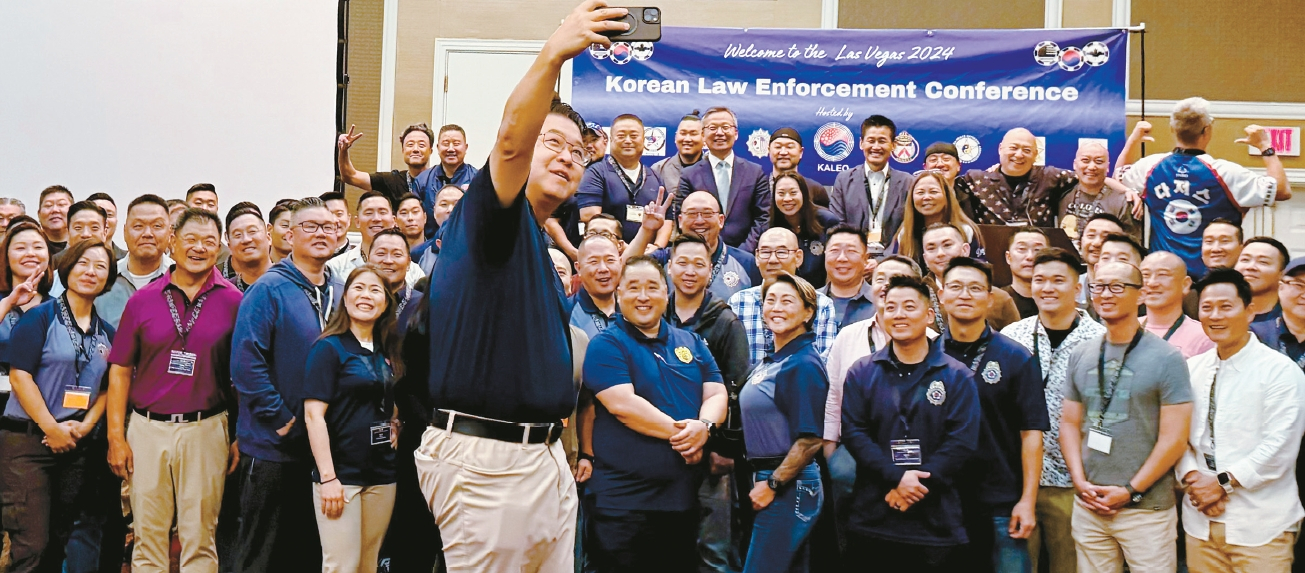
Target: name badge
381 433
182 363
77 397
1099 440
1209 462
906 452
634 213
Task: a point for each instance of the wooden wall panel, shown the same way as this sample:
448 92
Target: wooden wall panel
924 14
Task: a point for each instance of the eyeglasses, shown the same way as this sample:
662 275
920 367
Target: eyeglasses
781 254
704 215
601 233
718 128
974 289
1115 288
314 226
555 141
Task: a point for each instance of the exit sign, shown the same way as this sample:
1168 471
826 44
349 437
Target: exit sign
1285 141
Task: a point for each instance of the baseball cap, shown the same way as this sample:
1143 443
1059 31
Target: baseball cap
1296 264
942 147
786 133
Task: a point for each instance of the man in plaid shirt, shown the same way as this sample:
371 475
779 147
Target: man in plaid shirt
777 251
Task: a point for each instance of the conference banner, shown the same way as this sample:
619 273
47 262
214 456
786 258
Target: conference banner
966 87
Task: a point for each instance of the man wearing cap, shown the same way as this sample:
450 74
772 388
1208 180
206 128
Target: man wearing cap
688 146
785 154
942 156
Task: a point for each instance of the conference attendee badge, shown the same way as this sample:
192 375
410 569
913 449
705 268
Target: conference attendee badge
77 397
634 213
906 452
381 433
182 363
1099 440
874 235
683 354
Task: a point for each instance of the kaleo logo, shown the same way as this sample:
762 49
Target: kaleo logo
834 141
1071 59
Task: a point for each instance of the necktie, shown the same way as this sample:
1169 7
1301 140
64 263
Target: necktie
723 184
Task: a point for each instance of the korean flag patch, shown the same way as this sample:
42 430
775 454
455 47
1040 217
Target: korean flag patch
936 394
992 372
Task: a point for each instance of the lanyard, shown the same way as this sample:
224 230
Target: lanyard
1037 347
176 317
900 404
1172 328
978 358
82 355
869 195
1108 393
631 187
323 310
717 264
403 302
412 182
1213 407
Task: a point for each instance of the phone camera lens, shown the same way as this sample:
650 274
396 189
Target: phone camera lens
652 16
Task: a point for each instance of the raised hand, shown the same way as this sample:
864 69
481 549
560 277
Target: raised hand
1142 132
346 139
1255 137
582 28
26 290
654 214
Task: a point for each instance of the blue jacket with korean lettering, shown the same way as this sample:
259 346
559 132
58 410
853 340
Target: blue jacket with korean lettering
940 408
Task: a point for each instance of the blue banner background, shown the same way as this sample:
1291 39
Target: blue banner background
695 58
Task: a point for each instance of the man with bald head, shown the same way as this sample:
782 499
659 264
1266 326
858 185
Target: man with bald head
1096 192
732 269
1019 192
778 252
1164 286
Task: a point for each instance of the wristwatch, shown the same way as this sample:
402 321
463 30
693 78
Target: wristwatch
1225 481
1268 151
1134 496
710 424
773 483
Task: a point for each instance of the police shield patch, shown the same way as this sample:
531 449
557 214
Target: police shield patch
683 354
992 372
936 394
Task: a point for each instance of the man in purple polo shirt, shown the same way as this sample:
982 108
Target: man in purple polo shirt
169 369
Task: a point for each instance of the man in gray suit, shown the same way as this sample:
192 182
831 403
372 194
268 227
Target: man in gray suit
872 196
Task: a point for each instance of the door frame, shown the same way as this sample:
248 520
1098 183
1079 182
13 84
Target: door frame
445 47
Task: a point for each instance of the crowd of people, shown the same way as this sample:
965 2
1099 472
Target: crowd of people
568 360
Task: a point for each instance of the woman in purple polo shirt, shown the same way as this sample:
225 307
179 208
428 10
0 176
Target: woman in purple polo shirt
349 412
58 358
25 280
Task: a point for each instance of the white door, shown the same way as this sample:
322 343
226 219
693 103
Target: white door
1287 223
473 79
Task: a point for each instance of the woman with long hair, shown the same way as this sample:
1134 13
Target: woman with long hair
932 201
350 416
791 208
58 361
25 281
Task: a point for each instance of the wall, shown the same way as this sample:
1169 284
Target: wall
926 14
364 103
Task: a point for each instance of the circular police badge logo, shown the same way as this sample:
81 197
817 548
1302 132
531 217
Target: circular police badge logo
599 51
731 279
654 141
936 393
641 50
992 372
1096 54
759 143
905 148
968 148
1182 217
621 53
834 141
817 248
1046 53
1071 59
683 354
101 349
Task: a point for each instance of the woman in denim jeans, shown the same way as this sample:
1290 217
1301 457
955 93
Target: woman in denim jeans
783 414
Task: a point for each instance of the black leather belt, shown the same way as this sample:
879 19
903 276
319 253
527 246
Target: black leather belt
765 464
26 426
181 418
517 433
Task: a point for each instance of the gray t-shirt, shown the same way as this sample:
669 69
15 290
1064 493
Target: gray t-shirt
1154 375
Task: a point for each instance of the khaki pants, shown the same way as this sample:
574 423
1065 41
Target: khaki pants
1216 554
180 470
1053 511
351 543
500 506
1141 537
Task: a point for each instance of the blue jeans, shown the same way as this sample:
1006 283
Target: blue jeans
780 530
1009 555
842 472
714 529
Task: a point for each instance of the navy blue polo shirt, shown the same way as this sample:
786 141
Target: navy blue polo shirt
586 315
784 399
1012 400
935 402
7 324
499 343
813 249
604 185
42 346
432 180
732 269
631 470
1275 335
353 382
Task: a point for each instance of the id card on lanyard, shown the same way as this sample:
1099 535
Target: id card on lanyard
76 396
1099 438
182 362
